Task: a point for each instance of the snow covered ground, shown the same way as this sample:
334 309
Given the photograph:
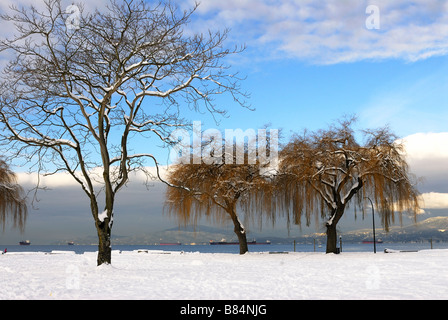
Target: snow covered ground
254 276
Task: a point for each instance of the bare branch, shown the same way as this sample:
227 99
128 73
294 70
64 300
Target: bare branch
72 92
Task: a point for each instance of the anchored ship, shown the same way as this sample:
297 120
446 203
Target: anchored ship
371 241
224 242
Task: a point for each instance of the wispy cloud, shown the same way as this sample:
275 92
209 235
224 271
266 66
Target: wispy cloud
409 103
321 32
334 31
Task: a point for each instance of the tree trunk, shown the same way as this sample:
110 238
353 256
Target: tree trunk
331 228
104 222
103 229
104 245
331 238
240 233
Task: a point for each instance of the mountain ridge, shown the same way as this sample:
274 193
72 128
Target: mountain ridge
435 228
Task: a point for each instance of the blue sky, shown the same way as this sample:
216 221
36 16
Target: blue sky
394 75
410 97
307 64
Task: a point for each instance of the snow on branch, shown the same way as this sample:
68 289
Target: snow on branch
324 171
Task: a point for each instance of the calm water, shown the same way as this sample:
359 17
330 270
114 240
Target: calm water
346 247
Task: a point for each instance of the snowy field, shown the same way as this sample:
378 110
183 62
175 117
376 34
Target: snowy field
254 276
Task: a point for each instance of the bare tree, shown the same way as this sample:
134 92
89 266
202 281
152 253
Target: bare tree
12 202
81 88
327 171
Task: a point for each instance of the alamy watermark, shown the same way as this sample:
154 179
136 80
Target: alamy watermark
73 20
373 20
373 280
72 280
235 147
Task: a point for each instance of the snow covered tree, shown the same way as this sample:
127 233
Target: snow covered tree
327 171
12 203
82 86
218 190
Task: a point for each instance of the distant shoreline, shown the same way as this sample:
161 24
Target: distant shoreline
309 247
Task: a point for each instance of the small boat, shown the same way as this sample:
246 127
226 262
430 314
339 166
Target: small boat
70 243
25 243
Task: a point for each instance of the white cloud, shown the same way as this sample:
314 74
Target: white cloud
427 156
52 181
64 179
323 32
334 31
435 200
428 146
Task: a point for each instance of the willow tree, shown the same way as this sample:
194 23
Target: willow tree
327 171
221 188
81 86
12 202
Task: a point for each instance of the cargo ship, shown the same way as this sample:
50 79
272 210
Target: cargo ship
371 241
25 243
170 244
224 242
